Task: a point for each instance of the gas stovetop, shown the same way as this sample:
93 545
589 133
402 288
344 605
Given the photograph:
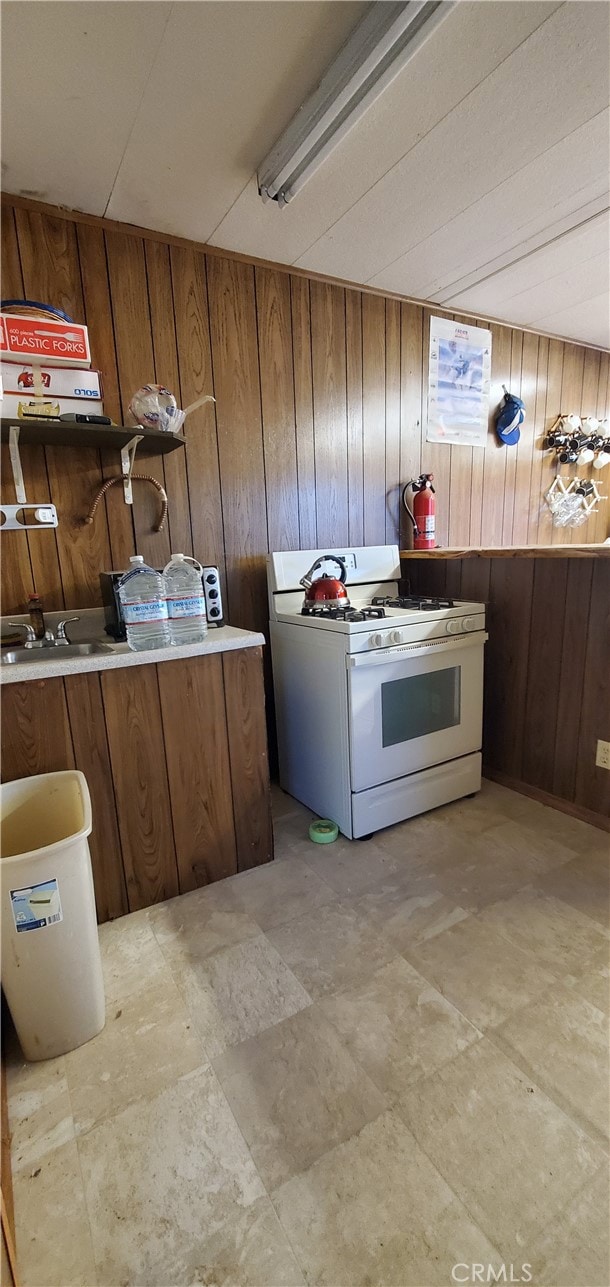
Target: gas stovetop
376 610
380 617
413 602
362 613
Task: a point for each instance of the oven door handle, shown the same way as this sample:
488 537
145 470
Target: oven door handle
384 655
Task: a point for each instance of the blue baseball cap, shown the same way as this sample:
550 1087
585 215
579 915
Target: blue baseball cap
509 416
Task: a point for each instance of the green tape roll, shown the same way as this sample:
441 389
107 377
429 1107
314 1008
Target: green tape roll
323 832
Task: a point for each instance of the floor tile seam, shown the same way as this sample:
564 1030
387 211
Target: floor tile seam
190 1009
288 1018
572 1201
218 951
266 1191
418 969
224 947
528 954
341 903
401 956
126 1108
171 978
298 915
393 936
347 987
582 919
82 1184
533 831
318 874
27 1169
392 1111
542 994
14 1123
582 1123
483 1028
376 887
478 1220
204 1066
572 907
393 1097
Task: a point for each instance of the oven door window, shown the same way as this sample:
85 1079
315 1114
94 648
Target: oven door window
420 704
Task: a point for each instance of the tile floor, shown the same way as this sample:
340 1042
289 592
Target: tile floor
363 1065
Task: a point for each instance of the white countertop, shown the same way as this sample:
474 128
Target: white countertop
225 639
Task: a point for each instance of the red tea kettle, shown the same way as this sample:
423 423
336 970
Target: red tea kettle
326 591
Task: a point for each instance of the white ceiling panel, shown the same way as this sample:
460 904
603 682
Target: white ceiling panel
515 115
555 191
572 268
73 76
472 41
226 80
477 180
588 322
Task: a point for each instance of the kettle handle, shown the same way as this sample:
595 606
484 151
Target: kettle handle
306 581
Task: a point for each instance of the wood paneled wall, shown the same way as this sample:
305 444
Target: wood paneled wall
175 756
547 690
319 415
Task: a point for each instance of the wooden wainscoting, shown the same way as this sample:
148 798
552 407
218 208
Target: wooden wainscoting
547 689
319 415
175 755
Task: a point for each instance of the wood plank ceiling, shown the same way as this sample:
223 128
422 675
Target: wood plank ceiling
479 179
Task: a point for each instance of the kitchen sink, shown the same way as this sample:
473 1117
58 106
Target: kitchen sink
58 653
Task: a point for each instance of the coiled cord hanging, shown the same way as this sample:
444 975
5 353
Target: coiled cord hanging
145 478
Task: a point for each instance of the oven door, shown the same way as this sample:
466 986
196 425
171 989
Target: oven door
414 706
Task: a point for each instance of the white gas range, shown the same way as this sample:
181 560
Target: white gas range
379 705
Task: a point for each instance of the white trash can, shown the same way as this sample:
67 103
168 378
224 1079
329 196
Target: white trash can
51 963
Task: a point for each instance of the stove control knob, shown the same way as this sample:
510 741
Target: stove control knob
470 623
396 636
453 626
376 641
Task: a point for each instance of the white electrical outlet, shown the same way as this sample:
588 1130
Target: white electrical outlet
602 758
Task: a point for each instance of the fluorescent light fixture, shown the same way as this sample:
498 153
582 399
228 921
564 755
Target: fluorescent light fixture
377 50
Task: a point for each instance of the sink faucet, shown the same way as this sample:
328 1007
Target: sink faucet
31 640
61 636
50 640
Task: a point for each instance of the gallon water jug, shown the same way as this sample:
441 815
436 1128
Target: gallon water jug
185 601
144 607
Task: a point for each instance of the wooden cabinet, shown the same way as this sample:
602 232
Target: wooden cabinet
175 755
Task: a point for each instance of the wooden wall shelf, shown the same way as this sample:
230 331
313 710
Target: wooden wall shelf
513 552
63 433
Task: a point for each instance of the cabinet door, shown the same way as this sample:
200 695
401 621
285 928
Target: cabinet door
245 701
197 752
137 755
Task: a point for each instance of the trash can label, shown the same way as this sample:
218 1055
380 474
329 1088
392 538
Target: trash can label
36 906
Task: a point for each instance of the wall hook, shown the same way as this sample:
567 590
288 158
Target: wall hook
136 478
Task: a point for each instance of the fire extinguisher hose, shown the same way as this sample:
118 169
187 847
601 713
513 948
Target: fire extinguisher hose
409 511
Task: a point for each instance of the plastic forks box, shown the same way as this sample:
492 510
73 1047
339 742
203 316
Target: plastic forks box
43 340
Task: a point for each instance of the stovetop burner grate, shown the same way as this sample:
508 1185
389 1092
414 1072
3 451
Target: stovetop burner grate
344 614
416 602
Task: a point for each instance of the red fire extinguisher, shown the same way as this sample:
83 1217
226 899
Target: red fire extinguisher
423 513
